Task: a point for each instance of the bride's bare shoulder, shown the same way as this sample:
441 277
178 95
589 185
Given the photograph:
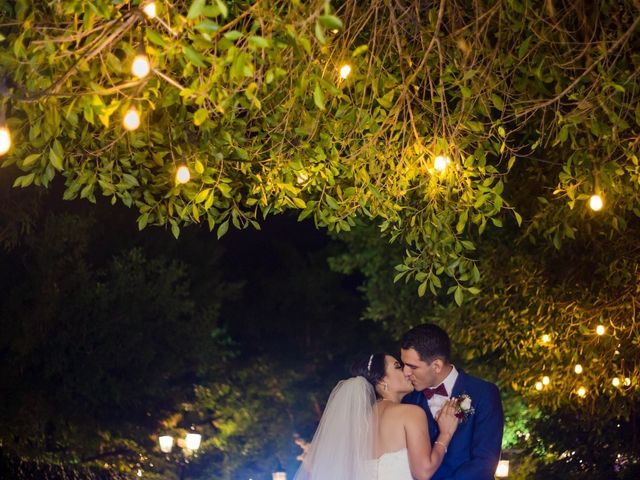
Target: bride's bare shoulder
412 412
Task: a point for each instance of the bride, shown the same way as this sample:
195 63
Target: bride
366 433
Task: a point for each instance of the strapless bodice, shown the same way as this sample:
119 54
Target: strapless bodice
394 466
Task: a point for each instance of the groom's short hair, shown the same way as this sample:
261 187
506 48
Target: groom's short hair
430 341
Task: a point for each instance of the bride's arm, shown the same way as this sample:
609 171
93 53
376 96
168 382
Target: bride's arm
423 459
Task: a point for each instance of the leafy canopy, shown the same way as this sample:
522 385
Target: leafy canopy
249 97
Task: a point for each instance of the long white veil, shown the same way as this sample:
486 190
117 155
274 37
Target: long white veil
343 445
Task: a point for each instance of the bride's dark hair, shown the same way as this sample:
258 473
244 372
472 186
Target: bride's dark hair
371 367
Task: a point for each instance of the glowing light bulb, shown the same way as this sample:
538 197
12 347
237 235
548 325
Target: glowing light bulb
578 369
596 203
5 140
546 338
582 392
140 66
166 443
150 10
627 381
502 471
615 381
131 120
441 162
600 329
538 386
345 71
183 175
546 380
192 441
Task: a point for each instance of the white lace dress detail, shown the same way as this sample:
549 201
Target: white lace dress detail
394 466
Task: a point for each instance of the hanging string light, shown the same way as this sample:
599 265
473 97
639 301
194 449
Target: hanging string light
131 119
5 134
546 338
140 67
546 380
183 175
538 386
345 71
441 162
600 330
615 381
578 369
596 203
582 392
150 9
5 139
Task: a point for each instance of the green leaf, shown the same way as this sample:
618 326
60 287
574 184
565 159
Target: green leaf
258 42
31 160
224 11
497 102
331 202
55 157
318 97
207 26
233 35
360 50
200 116
462 222
225 189
524 48
209 201
518 218
387 100
155 37
458 295
25 180
195 10
194 57
143 220
330 22
319 32
222 229
202 195
130 180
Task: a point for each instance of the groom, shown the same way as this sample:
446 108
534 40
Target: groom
474 451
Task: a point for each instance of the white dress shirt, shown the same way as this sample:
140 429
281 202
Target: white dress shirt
437 401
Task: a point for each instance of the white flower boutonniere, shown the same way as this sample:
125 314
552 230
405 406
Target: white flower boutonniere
465 407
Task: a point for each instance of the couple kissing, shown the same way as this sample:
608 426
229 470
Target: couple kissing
417 418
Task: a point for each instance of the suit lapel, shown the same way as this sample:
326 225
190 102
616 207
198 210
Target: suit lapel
432 425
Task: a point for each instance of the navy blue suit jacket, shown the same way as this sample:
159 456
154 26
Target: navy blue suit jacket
474 451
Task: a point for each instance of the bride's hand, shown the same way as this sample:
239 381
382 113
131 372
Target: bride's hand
447 420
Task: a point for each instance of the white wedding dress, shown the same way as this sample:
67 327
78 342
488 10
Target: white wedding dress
394 466
343 444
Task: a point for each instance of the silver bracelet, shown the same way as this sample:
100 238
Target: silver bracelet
438 442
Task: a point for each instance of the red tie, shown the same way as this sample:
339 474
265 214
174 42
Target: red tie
439 390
